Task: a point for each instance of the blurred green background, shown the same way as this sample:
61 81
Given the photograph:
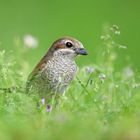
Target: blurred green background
48 20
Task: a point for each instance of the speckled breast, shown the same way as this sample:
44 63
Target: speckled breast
56 75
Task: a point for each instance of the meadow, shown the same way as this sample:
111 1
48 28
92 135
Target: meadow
102 103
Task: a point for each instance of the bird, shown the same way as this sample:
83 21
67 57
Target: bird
57 69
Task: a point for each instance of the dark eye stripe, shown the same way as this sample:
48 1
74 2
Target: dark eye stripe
69 44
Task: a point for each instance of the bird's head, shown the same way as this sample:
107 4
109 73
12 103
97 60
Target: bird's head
67 47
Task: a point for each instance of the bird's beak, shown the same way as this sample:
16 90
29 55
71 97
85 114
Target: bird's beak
81 51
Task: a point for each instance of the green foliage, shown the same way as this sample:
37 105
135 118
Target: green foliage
101 103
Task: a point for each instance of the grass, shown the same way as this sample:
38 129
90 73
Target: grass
101 103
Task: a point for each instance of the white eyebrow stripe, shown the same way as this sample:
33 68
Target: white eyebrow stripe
65 41
76 42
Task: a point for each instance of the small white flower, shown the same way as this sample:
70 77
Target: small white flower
30 41
90 69
128 73
102 76
115 29
43 101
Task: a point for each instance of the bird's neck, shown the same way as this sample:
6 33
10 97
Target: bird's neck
67 55
63 59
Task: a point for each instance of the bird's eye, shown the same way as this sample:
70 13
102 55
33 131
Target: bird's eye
69 44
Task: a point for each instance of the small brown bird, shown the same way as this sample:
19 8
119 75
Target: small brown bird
56 69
